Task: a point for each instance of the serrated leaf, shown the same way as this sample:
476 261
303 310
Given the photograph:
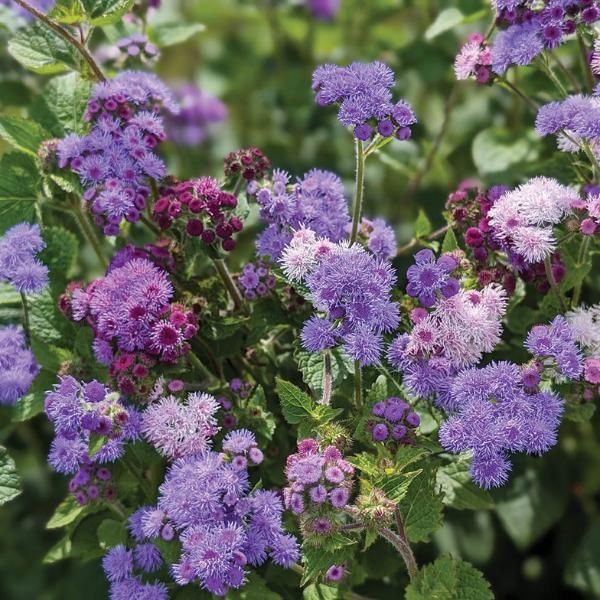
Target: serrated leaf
66 512
41 50
454 480
449 579
169 34
105 12
47 323
319 591
316 561
446 20
450 242
296 405
61 106
67 11
423 225
311 365
10 482
22 134
111 533
421 506
60 252
19 186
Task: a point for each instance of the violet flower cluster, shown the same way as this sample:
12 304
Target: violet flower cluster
493 414
130 310
524 218
350 290
206 504
18 367
79 411
316 201
529 27
319 485
256 280
378 237
363 92
199 111
325 10
19 264
116 159
393 420
585 325
429 279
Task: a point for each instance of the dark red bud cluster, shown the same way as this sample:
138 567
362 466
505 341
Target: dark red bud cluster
250 163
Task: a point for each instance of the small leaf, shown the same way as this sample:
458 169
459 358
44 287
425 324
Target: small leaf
448 579
60 551
66 512
19 186
583 569
450 242
423 225
10 482
105 12
446 20
169 34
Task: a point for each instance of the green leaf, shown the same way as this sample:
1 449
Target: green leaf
67 11
32 403
111 533
66 512
449 579
171 551
41 50
318 591
19 185
296 405
423 225
47 323
579 413
96 443
534 499
460 492
310 365
446 20
105 12
60 551
450 242
60 252
421 506
61 107
255 588
23 134
316 561
583 569
496 150
169 34
10 482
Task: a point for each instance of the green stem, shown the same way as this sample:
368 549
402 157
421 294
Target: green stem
553 284
583 249
358 385
585 65
438 233
228 282
90 235
26 326
200 366
565 71
515 90
403 548
62 32
238 185
552 76
327 378
358 190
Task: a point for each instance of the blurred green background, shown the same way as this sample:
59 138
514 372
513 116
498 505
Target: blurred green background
258 56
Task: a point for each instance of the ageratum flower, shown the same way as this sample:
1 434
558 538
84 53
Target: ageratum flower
585 324
18 367
428 277
363 92
523 219
19 265
493 416
179 429
350 289
379 237
116 159
316 201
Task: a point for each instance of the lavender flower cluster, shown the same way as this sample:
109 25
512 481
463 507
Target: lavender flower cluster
363 91
256 280
18 367
116 159
394 420
19 264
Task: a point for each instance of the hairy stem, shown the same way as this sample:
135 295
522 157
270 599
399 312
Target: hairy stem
585 65
26 326
583 249
358 190
358 385
228 282
60 30
515 90
403 548
553 284
327 378
90 235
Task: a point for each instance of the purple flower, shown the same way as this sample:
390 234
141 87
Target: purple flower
381 239
517 45
326 10
427 277
18 263
18 367
147 558
118 563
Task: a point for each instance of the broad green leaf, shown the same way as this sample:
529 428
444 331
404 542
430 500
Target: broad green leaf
296 405
10 482
67 11
48 325
450 242
105 12
60 252
171 551
579 413
423 225
319 591
421 506
583 569
449 579
32 403
60 551
61 107
255 588
111 533
496 150
41 50
169 34
534 499
446 20
19 186
454 480
377 392
311 365
66 512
